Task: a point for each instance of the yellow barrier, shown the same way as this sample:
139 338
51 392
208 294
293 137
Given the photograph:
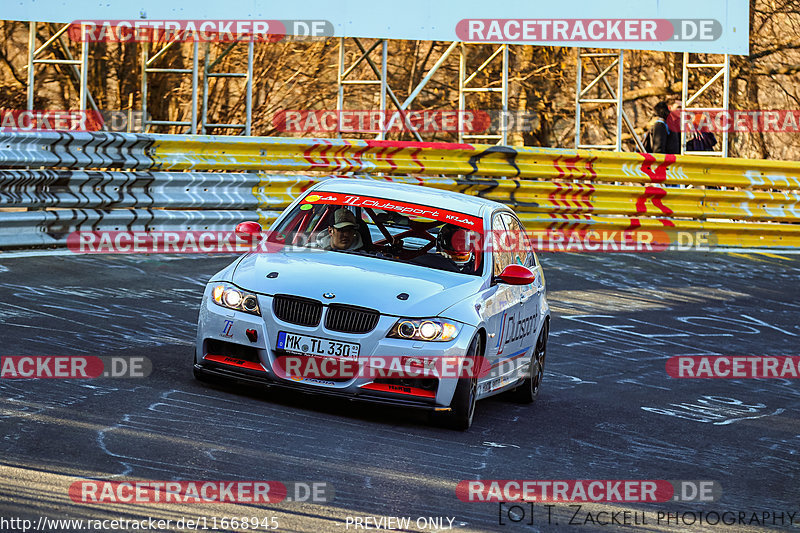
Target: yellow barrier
334 156
687 215
741 203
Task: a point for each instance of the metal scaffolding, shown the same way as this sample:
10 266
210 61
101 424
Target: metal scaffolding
723 73
343 78
604 63
464 89
616 98
77 67
147 68
595 69
208 72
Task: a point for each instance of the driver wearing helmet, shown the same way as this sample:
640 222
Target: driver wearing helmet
455 246
454 243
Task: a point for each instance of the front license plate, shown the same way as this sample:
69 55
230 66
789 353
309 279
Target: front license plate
305 345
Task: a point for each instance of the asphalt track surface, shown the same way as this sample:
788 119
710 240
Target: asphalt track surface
607 409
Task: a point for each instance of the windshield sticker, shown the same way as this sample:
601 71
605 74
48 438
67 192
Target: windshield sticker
405 208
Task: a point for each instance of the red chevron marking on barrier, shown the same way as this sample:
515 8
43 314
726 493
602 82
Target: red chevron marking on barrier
576 191
359 163
565 196
564 192
590 167
659 199
552 195
342 164
579 224
580 197
390 158
348 161
379 154
572 221
323 153
573 195
307 155
589 190
558 168
572 165
414 157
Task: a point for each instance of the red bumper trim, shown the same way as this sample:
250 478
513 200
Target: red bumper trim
232 361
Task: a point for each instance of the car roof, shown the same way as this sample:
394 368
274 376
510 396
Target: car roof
417 194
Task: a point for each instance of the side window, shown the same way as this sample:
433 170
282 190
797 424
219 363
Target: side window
501 255
518 240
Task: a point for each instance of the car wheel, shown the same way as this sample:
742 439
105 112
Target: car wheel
529 388
463 404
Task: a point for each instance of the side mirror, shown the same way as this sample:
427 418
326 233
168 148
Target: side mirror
516 275
248 231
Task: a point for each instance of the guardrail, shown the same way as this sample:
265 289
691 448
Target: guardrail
137 184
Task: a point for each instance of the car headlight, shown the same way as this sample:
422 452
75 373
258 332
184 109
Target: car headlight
232 297
424 329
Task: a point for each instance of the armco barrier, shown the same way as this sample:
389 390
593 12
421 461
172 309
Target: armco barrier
741 203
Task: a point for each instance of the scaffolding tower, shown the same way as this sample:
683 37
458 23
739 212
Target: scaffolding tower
595 69
689 96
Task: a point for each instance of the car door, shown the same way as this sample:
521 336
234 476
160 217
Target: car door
504 312
531 295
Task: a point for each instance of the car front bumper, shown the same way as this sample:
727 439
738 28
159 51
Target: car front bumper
249 355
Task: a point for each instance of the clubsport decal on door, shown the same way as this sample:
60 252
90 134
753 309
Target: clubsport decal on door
515 328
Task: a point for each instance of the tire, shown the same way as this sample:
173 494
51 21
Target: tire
528 390
464 399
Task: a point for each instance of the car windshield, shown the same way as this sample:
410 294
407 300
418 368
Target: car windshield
386 230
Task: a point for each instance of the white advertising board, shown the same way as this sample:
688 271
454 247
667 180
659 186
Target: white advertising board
711 26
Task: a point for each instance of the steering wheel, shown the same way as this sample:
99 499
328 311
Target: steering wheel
395 247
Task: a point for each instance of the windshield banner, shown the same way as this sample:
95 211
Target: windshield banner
404 208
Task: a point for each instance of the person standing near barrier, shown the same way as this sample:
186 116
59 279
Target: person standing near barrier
700 139
659 139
